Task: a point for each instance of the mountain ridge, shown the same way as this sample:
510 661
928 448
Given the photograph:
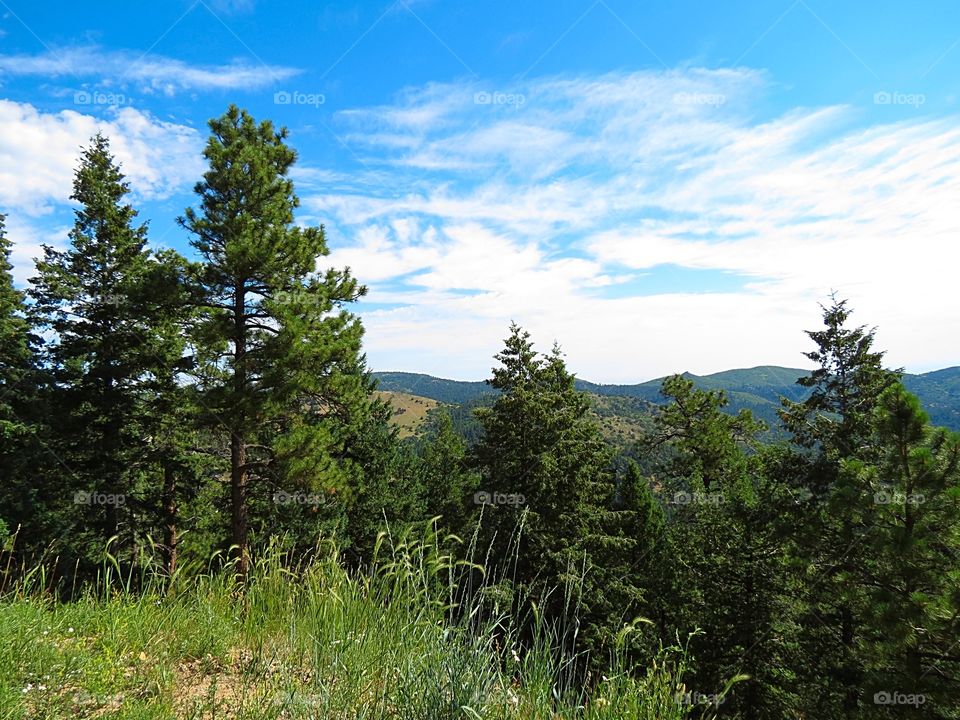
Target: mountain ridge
757 388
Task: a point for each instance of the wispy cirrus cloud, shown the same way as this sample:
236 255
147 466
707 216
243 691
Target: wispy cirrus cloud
147 72
564 203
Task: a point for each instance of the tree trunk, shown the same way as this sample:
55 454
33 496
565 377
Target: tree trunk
238 449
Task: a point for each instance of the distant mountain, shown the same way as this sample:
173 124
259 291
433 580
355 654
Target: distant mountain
454 392
758 389
939 392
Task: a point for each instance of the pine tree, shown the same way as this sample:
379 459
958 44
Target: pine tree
725 570
91 297
447 481
279 361
389 494
835 423
911 575
546 478
173 458
19 415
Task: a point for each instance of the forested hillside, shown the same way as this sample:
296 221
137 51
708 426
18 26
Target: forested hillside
756 389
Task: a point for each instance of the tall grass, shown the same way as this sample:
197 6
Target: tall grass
401 638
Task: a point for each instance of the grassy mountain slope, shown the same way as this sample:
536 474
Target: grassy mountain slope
409 411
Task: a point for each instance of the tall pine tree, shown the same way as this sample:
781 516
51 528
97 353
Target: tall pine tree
18 409
279 357
836 424
105 348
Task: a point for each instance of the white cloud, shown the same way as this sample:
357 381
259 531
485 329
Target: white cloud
39 152
151 73
534 206
27 246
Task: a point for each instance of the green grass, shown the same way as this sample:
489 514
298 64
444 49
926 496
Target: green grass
309 641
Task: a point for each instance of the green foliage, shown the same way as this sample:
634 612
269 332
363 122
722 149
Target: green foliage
279 363
227 405
19 409
725 568
447 482
104 300
911 579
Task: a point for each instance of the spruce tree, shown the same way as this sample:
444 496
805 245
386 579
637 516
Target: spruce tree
19 415
546 478
279 359
105 349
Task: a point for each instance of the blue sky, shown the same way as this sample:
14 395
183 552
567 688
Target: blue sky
659 186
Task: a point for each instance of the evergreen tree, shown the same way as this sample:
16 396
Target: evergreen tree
448 484
19 414
279 357
626 553
911 577
91 297
726 571
835 423
546 478
174 458
836 417
389 495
